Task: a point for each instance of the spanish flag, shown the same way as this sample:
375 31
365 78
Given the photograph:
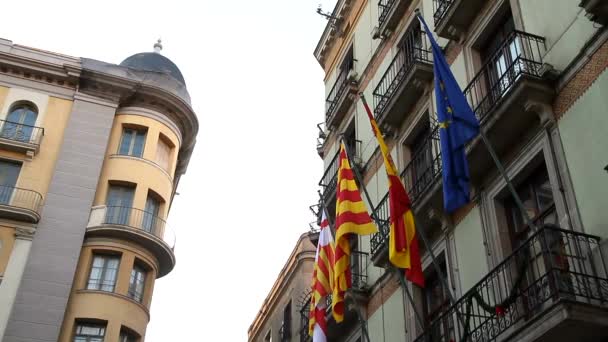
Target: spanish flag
322 280
403 249
351 218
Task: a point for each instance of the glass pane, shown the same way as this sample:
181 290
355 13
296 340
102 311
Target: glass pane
9 172
138 144
125 142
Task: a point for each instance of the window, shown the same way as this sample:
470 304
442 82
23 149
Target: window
286 325
137 282
163 154
104 272
537 197
9 172
268 337
132 142
151 222
422 160
89 332
127 336
435 302
500 54
19 123
119 204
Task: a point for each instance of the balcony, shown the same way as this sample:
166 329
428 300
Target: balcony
20 204
357 296
509 96
453 17
138 226
330 177
390 12
340 97
597 10
552 287
422 180
402 83
304 320
20 138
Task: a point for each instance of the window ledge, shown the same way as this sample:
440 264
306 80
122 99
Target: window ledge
122 156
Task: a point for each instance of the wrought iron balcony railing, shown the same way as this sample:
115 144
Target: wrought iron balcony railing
414 47
441 9
550 266
21 133
304 319
335 94
520 54
12 197
132 218
382 217
384 8
358 262
330 177
424 167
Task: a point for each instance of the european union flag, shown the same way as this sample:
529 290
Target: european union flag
458 125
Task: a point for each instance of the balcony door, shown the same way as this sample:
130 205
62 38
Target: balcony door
19 123
422 160
500 56
9 172
119 204
435 303
151 220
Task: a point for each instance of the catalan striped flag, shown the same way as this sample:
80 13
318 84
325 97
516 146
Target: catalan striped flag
322 280
351 218
403 243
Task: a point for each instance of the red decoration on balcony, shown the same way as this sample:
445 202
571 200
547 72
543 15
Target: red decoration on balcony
500 311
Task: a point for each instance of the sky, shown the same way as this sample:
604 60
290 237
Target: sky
258 93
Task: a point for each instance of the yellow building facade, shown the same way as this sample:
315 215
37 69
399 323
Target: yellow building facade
91 154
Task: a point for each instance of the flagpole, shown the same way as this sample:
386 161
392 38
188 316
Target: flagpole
422 235
400 274
362 321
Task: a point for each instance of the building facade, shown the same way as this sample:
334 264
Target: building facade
284 314
534 72
91 154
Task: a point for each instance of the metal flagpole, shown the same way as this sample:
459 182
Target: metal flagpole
426 242
400 274
362 321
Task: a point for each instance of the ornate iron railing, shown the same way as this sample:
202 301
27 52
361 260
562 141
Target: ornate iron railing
551 265
424 167
330 177
304 317
21 133
441 8
384 8
132 218
520 54
336 93
414 47
381 216
12 196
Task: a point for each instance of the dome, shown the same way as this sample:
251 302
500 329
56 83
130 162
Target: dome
154 61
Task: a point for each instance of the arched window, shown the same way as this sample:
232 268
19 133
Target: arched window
20 122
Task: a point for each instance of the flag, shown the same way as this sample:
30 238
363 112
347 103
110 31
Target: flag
457 126
351 218
322 279
403 251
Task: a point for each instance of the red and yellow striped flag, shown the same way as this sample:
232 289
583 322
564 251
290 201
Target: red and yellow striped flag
322 280
351 218
403 243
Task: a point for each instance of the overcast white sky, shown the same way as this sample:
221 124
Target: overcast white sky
258 93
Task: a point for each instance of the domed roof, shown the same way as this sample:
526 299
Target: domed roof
154 61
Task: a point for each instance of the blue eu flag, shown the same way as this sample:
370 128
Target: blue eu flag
457 126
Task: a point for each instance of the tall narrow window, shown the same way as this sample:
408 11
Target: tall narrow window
422 159
89 332
132 142
435 302
151 223
119 204
137 282
163 154
104 272
19 123
286 325
9 172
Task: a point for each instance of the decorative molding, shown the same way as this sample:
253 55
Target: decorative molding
24 233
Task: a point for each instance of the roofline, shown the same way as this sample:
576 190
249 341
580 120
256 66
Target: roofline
339 12
294 260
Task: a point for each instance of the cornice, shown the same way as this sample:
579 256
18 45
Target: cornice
332 29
